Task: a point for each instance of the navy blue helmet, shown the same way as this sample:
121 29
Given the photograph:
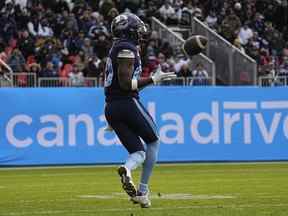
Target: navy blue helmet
129 26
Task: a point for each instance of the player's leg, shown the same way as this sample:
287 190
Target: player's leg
133 145
136 156
143 188
148 132
151 158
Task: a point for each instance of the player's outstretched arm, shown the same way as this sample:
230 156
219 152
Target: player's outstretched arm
125 71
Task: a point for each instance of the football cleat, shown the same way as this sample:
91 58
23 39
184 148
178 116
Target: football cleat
127 183
142 199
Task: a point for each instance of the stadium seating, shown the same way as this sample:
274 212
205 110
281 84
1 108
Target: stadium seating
57 31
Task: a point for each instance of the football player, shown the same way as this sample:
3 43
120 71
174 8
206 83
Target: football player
124 111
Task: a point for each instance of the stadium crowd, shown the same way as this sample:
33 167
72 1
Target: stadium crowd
71 38
257 27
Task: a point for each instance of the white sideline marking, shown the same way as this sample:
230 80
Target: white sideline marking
167 208
3 169
190 197
176 196
158 165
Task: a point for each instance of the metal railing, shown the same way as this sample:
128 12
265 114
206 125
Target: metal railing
177 41
268 81
188 81
66 82
21 80
6 81
233 67
29 80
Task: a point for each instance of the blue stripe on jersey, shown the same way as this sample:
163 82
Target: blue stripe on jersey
147 117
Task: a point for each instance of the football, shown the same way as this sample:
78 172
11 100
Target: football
194 45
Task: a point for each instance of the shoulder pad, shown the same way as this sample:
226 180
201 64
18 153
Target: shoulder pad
126 53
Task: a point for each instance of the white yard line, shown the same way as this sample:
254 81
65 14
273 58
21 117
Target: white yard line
173 196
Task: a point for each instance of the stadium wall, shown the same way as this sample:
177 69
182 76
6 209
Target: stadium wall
66 126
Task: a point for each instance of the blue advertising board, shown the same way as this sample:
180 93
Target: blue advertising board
66 125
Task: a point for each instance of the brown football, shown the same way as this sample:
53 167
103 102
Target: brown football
194 45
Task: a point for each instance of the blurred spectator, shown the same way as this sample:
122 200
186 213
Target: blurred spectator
179 62
49 71
150 66
34 68
258 23
200 71
60 6
265 62
26 44
8 26
237 43
34 25
44 29
71 23
245 34
185 71
132 5
76 77
212 20
166 49
198 13
102 45
230 26
74 41
167 13
17 61
283 69
255 41
165 67
87 49
113 12
200 75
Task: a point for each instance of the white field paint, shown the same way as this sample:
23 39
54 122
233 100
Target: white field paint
97 197
175 196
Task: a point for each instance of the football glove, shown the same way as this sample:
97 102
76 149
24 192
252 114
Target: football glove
159 75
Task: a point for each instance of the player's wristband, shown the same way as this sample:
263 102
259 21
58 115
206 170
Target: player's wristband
134 84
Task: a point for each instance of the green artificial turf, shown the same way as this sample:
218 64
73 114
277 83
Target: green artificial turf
254 189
